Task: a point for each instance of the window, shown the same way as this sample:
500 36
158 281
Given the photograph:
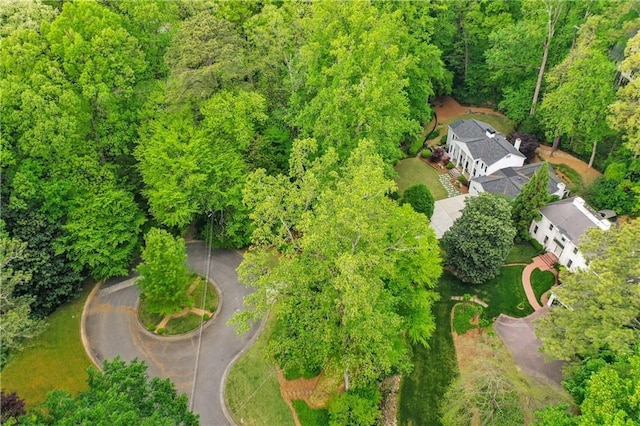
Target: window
569 263
546 239
551 227
535 230
575 250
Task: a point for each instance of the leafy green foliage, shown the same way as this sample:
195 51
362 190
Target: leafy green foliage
358 408
164 277
603 300
479 241
102 233
345 288
463 314
533 196
420 198
309 416
53 280
16 323
120 394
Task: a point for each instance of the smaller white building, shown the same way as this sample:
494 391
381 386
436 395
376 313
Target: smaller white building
560 227
479 150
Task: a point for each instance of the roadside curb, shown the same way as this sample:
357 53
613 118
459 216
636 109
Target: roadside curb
83 325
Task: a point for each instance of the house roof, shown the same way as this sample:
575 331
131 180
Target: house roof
509 181
573 217
473 133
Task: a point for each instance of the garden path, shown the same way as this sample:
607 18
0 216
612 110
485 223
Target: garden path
544 262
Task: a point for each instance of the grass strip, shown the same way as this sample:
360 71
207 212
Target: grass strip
252 391
55 359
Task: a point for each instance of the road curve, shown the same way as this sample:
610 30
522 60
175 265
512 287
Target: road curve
110 327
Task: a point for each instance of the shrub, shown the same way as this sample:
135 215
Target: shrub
450 165
437 154
463 180
443 140
161 331
420 198
206 317
11 406
434 134
426 153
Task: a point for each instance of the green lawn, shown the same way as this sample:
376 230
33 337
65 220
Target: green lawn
541 281
56 359
522 252
413 170
252 391
504 293
309 416
434 369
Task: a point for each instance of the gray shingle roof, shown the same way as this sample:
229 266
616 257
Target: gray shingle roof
473 133
509 181
572 221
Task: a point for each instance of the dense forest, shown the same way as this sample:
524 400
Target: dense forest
121 116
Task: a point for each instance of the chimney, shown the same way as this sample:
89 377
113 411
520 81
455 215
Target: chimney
517 143
490 133
578 201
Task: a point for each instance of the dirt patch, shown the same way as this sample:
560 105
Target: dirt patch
316 392
560 157
447 108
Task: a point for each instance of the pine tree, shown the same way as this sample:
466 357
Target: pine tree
533 196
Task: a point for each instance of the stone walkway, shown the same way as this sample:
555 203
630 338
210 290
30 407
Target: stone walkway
544 262
446 183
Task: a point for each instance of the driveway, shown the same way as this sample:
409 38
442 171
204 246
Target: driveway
110 328
445 212
519 338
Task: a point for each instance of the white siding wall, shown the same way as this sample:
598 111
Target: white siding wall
475 188
507 161
565 254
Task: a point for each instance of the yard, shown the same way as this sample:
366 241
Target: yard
412 171
252 392
56 359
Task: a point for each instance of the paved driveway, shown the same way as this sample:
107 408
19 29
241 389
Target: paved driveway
111 327
445 212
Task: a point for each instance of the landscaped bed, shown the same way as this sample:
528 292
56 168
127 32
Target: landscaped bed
412 171
205 297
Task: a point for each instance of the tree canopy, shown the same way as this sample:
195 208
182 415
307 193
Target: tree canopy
347 271
602 302
533 196
479 241
122 393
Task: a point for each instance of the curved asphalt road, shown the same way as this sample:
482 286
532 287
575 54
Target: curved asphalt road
111 327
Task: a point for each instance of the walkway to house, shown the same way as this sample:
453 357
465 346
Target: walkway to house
544 262
445 180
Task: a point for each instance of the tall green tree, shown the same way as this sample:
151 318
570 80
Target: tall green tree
603 301
164 277
102 232
624 113
533 196
355 62
122 393
53 280
16 322
580 88
479 241
346 270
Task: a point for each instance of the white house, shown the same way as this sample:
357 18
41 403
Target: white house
479 150
560 227
509 181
